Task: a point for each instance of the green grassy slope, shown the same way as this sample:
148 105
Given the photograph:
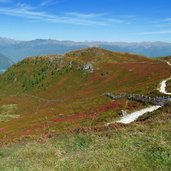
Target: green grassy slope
56 92
140 146
166 58
43 74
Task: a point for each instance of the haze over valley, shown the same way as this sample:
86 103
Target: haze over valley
18 50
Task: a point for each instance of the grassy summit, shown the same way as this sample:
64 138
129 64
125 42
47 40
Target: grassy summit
42 74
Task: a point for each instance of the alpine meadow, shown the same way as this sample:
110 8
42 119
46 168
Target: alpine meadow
85 86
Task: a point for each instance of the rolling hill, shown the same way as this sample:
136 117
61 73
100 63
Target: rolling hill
67 91
53 113
166 58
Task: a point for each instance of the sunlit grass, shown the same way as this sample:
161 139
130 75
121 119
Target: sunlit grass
8 112
138 147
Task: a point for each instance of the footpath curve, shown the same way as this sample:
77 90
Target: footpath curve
135 115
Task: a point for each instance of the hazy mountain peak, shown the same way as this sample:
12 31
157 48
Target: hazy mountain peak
17 50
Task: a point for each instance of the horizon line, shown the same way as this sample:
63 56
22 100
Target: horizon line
84 41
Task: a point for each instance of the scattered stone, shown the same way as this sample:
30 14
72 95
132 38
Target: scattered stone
124 113
61 115
88 67
157 100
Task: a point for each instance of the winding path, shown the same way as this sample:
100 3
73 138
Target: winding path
135 115
163 87
168 63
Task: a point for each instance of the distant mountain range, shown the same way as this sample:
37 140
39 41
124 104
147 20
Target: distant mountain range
17 50
4 62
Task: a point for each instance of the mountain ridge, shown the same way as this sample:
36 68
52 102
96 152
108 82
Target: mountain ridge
5 62
18 50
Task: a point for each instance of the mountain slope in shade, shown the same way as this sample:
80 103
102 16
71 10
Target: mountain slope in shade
4 62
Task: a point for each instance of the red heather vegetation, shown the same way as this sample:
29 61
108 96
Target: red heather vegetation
55 93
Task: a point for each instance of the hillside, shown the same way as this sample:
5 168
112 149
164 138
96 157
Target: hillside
166 58
140 146
53 113
42 74
67 91
4 62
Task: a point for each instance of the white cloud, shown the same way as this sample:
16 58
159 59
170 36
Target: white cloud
4 1
155 32
164 23
113 20
46 2
81 15
50 2
167 19
25 11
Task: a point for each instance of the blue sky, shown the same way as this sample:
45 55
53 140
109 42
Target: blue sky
86 20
